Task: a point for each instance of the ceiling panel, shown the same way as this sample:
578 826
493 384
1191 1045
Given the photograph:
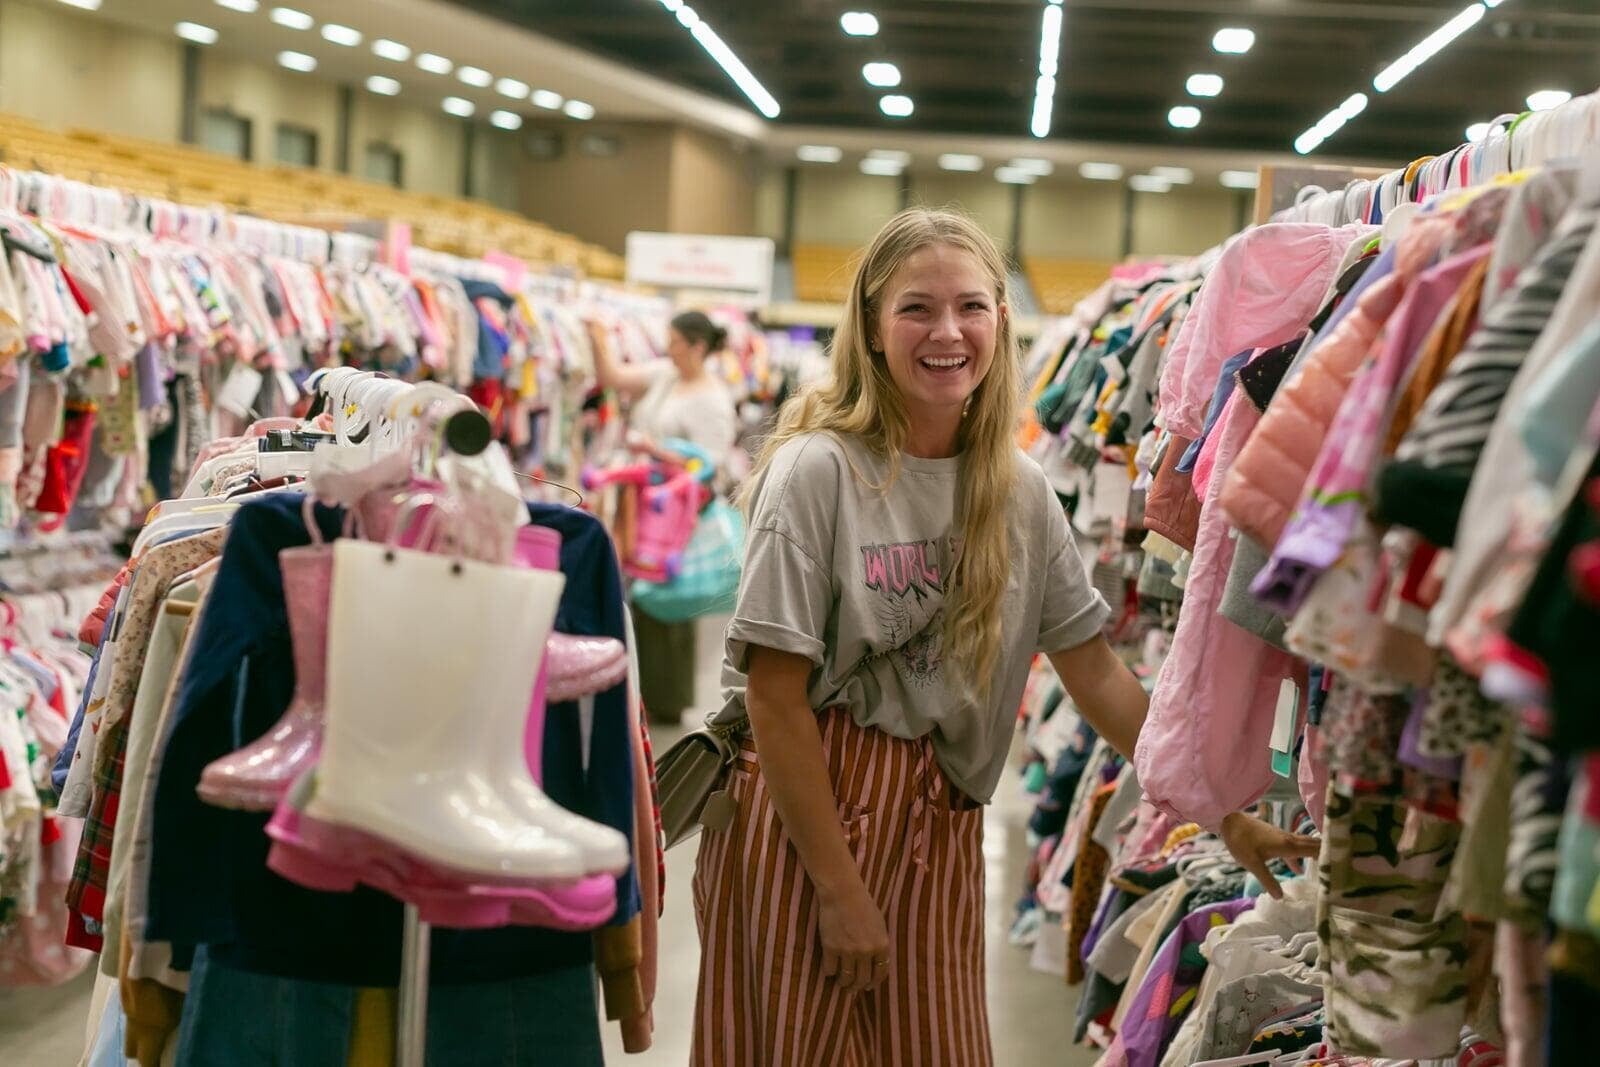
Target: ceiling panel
970 65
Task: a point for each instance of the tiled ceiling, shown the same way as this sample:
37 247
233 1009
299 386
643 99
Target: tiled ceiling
970 65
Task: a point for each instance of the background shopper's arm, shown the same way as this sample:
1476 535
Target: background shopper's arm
628 378
1114 703
789 746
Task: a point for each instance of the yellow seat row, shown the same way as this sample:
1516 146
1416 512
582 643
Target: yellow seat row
185 174
822 273
1059 284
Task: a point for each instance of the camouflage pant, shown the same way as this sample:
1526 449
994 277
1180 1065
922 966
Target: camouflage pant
1396 980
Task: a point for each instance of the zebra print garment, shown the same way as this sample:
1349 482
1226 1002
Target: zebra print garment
1454 422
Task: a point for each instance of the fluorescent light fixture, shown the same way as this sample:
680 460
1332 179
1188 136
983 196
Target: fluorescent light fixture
434 64
1204 85
244 7
881 75
458 106
732 65
859 23
383 86
1184 117
1546 99
897 106
1353 105
292 18
577 109
1234 40
1331 123
1149 183
505 120
1173 175
1037 167
511 87
546 99
1240 179
193 31
1014 176
882 168
297 61
384 48
334 33
1044 89
893 155
961 161
476 77
1429 47
87 5
819 153
1101 172
1478 131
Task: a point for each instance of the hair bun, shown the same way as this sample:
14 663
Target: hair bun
719 339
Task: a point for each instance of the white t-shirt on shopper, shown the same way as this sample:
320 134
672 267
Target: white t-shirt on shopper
852 578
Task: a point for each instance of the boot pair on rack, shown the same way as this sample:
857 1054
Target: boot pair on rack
420 778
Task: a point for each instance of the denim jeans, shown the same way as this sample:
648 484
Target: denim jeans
243 1019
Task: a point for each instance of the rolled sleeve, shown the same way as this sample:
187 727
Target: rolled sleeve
785 596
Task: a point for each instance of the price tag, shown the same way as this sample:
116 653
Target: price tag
1284 719
238 394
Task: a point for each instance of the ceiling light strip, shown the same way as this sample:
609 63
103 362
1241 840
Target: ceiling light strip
1044 89
731 64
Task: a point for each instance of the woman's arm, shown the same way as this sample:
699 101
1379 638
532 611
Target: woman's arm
1114 703
627 378
855 938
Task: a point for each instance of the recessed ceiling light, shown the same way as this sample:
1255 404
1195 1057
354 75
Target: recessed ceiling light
245 7
292 18
882 75
384 48
1101 172
819 153
511 87
341 35
476 77
1175 175
1546 99
435 64
383 86
1429 47
961 161
577 109
458 106
1478 131
1234 41
297 61
1204 85
505 120
897 106
87 5
1015 176
882 168
1240 179
1037 167
546 99
859 23
193 31
1149 183
893 155
1184 118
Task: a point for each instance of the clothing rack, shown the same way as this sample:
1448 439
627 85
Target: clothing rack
1513 143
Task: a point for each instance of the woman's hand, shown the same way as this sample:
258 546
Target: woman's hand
1253 842
855 939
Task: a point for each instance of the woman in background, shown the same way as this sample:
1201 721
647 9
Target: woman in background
676 397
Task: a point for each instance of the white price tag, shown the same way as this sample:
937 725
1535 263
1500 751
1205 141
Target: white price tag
238 394
1285 716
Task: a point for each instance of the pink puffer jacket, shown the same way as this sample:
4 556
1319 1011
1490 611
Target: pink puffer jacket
1265 483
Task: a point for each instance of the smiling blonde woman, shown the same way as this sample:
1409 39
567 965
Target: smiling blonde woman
905 562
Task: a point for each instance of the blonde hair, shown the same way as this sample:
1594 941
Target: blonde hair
860 399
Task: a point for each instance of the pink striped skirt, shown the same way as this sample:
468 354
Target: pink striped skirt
763 1001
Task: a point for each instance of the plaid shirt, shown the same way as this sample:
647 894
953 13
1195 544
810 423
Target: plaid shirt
155 571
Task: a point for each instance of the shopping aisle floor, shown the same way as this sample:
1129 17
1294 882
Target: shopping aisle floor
1031 1013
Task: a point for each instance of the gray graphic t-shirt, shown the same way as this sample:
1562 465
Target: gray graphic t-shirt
852 578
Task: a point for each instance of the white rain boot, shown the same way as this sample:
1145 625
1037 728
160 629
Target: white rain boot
431 668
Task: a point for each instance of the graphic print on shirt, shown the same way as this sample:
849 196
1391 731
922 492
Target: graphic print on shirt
909 579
